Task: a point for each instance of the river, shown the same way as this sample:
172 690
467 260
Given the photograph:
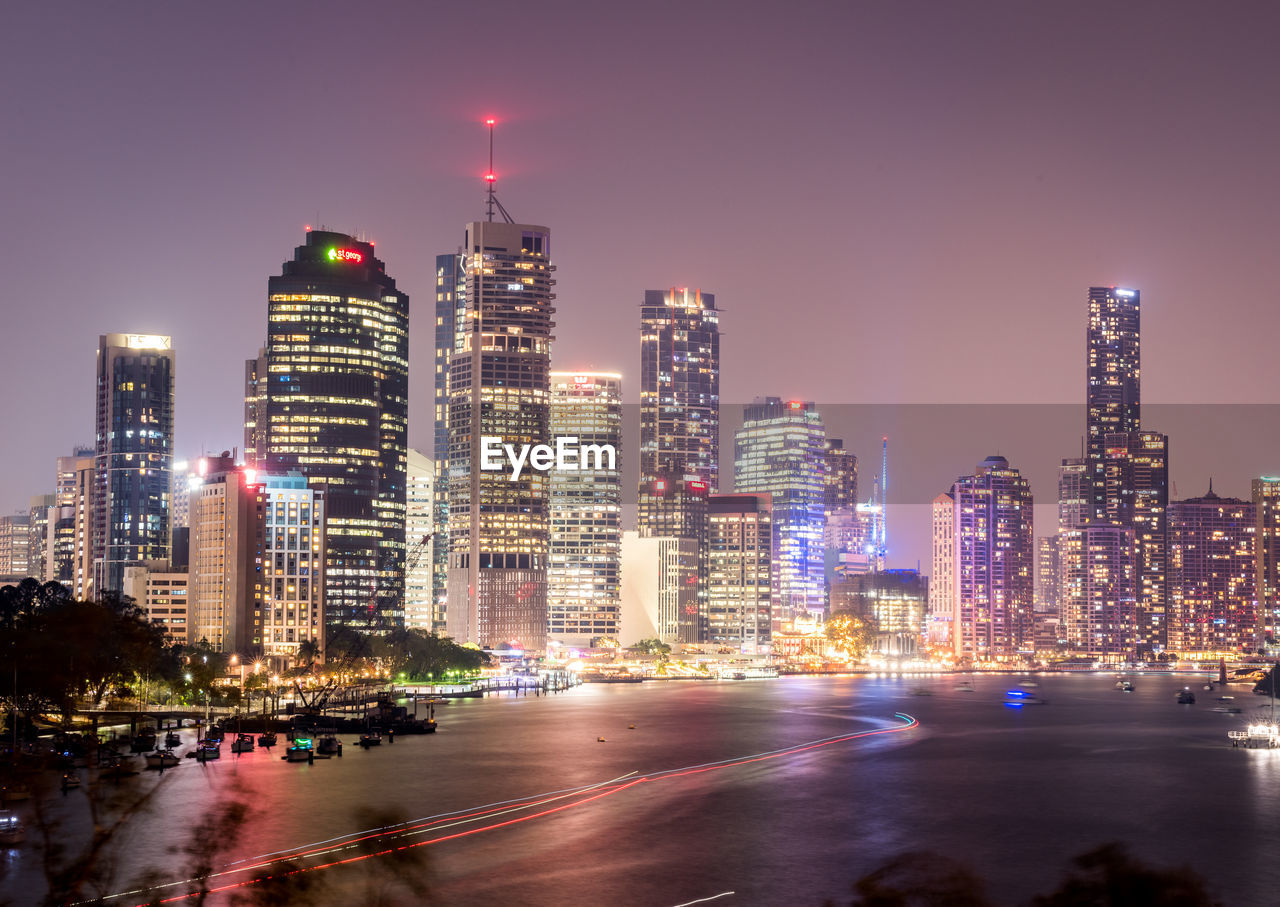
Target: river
1010 793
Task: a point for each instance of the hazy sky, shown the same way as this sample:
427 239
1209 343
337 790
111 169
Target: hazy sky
893 202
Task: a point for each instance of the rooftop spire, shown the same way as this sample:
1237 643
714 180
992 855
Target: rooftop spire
491 201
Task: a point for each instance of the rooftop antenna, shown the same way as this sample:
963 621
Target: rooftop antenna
490 178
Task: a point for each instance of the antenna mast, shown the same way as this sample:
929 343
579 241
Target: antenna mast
491 200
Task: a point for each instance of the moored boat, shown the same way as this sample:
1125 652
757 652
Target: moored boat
1186 697
172 739
208 749
162 759
300 751
330 746
242 744
11 830
372 738
267 740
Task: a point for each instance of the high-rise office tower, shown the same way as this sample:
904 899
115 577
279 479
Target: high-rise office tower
1266 501
449 322
255 408
419 539
228 538
293 603
679 410
133 455
15 535
86 484
739 571
659 589
1097 581
61 557
1112 392
781 450
584 592
1047 574
256 576
840 478
1135 493
499 387
942 579
1075 493
993 563
1213 602
336 410
39 543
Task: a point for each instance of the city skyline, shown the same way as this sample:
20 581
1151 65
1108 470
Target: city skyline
1175 240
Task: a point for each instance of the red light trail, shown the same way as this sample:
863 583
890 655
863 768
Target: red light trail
596 792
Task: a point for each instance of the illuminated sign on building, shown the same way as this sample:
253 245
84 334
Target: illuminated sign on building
346 255
148 342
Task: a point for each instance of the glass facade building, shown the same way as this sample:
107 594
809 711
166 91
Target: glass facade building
781 450
584 595
1113 376
499 387
336 411
133 455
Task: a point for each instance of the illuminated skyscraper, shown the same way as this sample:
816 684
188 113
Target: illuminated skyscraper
256 578
1213 602
1096 590
942 580
1266 501
420 609
133 455
336 409
584 595
1075 493
499 387
892 602
255 405
449 324
679 410
840 478
993 563
1112 393
781 450
1135 493
739 574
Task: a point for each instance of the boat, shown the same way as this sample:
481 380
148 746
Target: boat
215 734
70 780
11 830
372 738
267 740
242 744
300 751
161 759
14 793
208 749
1016 699
966 687
144 742
172 739
329 746
1124 686
1260 732
1186 697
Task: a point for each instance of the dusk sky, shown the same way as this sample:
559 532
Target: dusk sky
892 202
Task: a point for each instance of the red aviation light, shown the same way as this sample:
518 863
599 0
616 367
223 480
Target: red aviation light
490 121
490 177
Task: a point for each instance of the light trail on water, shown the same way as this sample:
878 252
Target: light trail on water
414 827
